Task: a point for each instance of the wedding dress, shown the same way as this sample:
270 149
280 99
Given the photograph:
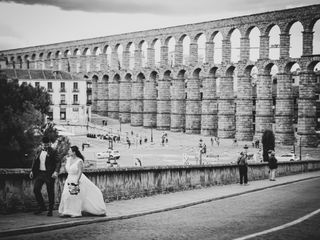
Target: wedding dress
89 199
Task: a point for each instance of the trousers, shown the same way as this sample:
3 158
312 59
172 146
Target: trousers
44 178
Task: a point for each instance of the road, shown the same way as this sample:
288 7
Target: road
223 219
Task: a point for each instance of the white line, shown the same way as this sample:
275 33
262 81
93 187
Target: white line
299 220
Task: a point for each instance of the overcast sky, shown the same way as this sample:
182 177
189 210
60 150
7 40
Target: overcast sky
29 23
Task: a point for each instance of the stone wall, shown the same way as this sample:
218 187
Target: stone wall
16 189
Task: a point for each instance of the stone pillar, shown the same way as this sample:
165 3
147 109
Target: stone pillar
284 110
114 60
137 58
264 47
209 117
307 47
151 57
65 64
125 100
284 45
113 101
55 62
178 105
137 103
150 104
193 106
307 109
163 105
32 64
73 64
103 62
264 112
178 54
244 48
102 97
164 55
244 116
126 59
92 60
209 52
226 50
226 108
94 106
193 54
83 63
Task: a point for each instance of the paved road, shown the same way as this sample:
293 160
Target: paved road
223 219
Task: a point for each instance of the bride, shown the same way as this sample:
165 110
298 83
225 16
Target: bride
79 193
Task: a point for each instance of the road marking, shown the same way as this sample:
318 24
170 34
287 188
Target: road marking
299 220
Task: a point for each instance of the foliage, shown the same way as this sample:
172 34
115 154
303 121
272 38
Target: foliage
268 141
22 110
63 145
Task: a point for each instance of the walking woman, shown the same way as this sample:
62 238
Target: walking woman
79 193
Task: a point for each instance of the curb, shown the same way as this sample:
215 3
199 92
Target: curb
55 226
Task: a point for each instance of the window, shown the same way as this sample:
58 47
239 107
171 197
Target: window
62 87
62 99
49 87
75 99
37 84
51 100
318 97
63 114
75 87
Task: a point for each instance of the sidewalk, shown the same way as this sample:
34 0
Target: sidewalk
21 223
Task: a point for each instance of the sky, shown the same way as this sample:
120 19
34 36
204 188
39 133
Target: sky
26 23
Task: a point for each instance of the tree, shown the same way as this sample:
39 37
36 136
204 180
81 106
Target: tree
268 142
22 111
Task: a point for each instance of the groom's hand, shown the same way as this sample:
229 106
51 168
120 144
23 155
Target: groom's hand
54 175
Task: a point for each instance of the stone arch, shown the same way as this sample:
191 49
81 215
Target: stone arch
295 30
234 35
274 31
130 48
141 54
154 53
200 40
170 43
315 27
96 51
217 39
117 59
253 33
86 51
106 62
76 52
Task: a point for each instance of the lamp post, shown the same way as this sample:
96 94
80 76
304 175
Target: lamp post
300 158
120 123
151 135
200 151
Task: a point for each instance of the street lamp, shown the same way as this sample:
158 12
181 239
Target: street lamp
200 151
120 123
300 158
151 137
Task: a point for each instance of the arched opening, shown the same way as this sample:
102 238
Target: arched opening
143 47
107 52
235 45
119 51
296 40
217 40
254 40
171 42
316 38
274 43
131 49
186 50
157 53
201 48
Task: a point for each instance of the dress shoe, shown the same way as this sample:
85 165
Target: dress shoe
49 214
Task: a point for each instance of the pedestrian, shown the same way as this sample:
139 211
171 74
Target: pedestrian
44 170
79 193
273 165
211 139
243 166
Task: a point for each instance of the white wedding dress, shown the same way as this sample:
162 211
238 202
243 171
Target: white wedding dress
89 199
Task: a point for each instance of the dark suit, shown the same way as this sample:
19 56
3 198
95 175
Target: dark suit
52 164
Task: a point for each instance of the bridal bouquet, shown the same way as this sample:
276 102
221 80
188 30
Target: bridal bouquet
74 188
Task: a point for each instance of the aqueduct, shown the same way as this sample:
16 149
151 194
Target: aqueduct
196 95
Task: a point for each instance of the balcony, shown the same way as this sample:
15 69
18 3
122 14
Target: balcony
50 90
62 90
75 103
62 102
89 102
75 90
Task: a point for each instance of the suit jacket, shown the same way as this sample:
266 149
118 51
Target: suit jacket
52 162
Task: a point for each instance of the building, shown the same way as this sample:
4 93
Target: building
70 95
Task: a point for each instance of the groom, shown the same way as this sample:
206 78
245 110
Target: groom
45 169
